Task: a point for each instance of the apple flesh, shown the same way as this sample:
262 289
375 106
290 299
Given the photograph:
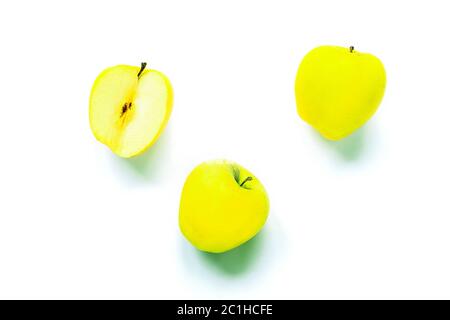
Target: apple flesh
129 108
338 89
222 206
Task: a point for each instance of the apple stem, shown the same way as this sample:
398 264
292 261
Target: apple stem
143 65
352 48
246 179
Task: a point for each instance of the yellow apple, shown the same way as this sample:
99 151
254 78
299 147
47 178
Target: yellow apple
338 89
129 108
222 206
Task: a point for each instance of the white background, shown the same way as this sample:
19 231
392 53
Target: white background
366 217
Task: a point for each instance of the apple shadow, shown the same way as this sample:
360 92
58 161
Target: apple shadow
348 149
237 261
151 163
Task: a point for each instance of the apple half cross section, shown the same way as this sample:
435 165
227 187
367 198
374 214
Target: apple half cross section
129 107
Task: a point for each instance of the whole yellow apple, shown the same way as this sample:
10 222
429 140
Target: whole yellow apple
129 108
338 89
222 206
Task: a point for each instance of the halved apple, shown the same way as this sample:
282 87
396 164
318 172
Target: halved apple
129 108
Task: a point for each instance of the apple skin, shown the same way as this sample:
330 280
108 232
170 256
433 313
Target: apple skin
338 89
218 210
